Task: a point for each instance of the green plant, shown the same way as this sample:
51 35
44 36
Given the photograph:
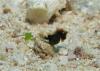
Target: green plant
28 36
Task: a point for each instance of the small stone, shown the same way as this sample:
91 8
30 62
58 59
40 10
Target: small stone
63 51
6 10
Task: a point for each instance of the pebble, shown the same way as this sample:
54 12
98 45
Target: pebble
63 51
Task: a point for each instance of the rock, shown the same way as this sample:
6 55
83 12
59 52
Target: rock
40 11
44 50
6 10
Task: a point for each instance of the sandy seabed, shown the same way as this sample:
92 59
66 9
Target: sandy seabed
80 51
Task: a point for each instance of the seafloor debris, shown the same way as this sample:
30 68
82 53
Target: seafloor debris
59 35
40 11
16 54
95 64
52 19
67 8
44 46
6 10
80 53
44 50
